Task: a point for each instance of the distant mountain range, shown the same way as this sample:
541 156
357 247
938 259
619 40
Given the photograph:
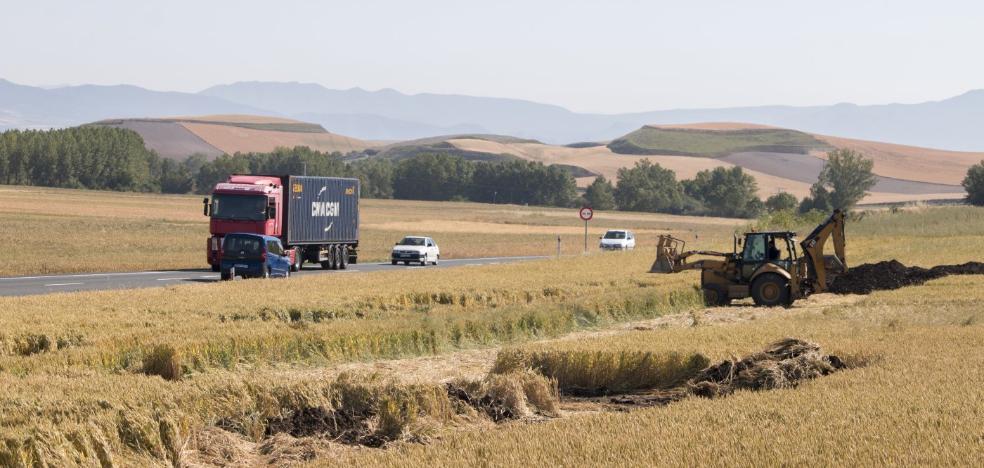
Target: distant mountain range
952 123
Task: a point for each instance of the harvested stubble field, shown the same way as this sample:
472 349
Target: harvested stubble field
285 372
72 231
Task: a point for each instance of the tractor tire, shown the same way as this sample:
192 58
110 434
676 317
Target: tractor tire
770 290
715 297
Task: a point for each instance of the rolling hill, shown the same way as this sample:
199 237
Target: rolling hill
779 159
213 135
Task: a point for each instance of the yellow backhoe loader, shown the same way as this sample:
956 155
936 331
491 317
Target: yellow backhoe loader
766 266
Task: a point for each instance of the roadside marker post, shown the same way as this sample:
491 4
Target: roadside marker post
586 213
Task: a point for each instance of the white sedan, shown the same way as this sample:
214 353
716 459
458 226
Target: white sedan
416 249
618 239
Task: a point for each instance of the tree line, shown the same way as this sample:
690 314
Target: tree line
116 159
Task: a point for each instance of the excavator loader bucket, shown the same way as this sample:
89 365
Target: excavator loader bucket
667 254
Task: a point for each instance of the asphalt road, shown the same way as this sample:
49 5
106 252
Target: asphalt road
33 285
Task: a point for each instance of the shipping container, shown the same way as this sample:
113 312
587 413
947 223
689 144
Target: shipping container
321 210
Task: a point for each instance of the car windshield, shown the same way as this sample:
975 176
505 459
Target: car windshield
245 207
412 241
242 246
615 235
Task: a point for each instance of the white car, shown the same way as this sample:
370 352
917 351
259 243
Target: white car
618 239
416 249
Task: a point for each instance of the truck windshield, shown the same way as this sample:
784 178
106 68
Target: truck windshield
245 207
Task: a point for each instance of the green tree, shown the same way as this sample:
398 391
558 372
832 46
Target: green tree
819 200
781 201
725 192
973 183
600 195
847 176
431 177
649 187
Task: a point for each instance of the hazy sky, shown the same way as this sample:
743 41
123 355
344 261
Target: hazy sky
604 56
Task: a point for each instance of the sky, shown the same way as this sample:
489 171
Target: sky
588 56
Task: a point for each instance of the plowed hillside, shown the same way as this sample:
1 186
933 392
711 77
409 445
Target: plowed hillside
904 173
911 162
213 135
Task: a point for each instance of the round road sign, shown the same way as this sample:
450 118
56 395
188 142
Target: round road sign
586 213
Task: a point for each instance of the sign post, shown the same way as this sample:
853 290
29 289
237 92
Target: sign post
586 214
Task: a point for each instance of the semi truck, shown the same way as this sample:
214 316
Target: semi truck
315 218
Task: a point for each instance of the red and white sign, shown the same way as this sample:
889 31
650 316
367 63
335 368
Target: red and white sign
586 213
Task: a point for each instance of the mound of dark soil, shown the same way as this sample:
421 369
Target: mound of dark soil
892 274
783 364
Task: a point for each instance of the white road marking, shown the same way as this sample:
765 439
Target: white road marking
62 284
172 279
86 275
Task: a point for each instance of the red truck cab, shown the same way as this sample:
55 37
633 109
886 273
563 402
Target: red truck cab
244 203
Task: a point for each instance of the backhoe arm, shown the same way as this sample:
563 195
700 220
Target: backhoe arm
820 268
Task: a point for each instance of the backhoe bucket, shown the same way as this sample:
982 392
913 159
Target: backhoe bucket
667 254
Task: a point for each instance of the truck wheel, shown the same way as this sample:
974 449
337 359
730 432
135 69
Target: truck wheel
266 272
216 268
298 259
225 276
406 262
334 257
343 257
770 290
393 262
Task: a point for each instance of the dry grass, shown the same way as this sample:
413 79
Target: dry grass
264 359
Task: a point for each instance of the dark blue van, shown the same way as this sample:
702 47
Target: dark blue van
253 256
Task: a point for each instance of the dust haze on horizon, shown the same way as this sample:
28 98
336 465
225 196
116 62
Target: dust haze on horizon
622 56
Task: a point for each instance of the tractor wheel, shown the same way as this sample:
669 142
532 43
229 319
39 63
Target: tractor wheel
770 290
715 298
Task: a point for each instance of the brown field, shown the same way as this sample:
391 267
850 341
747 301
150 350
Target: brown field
231 139
911 162
265 372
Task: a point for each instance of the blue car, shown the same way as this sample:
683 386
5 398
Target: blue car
253 256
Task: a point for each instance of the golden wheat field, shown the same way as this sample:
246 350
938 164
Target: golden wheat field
70 231
476 366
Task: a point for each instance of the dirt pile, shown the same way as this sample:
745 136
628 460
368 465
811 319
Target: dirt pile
892 274
783 364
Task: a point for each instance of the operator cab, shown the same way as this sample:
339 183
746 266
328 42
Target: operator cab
777 247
